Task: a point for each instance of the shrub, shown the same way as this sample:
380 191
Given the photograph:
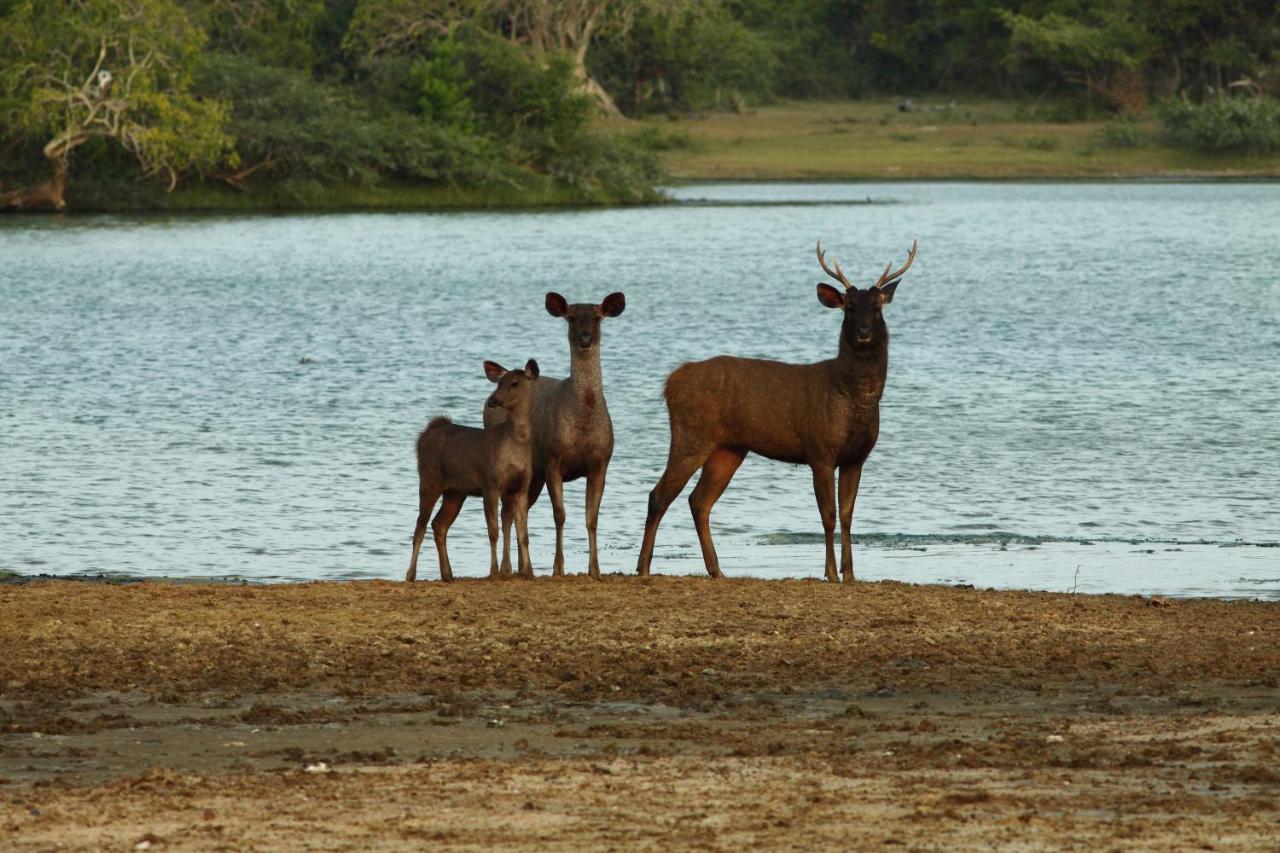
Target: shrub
1124 133
301 130
1245 125
444 86
605 168
535 104
650 138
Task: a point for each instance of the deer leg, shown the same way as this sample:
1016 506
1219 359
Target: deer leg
850 475
824 489
449 509
555 488
491 521
595 491
521 501
508 516
427 497
717 471
679 470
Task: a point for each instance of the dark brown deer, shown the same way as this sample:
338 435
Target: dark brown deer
572 432
496 462
825 415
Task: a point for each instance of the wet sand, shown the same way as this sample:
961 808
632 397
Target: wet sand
633 713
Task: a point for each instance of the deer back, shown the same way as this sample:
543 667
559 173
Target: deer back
790 412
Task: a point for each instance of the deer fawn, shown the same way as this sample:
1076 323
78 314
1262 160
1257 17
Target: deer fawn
494 462
572 433
825 415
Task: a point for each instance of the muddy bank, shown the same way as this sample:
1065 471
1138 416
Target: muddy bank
654 639
633 713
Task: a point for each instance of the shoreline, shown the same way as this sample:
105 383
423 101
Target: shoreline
652 712
1184 569
677 182
19 580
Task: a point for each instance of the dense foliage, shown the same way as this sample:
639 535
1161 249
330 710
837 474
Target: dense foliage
1238 125
294 94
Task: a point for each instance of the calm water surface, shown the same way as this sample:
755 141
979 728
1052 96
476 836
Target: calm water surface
1083 383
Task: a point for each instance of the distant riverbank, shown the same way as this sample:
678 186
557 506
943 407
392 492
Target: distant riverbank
937 139
866 140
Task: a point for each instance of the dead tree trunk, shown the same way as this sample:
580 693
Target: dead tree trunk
51 193
604 101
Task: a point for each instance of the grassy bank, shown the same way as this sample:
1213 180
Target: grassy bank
938 140
266 196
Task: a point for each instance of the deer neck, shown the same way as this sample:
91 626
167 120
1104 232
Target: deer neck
519 423
861 370
584 371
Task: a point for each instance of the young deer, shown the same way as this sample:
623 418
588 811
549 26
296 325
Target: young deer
572 433
825 415
494 462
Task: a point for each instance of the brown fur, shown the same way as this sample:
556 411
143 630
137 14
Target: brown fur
455 462
572 432
825 415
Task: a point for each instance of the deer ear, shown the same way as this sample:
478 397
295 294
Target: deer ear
557 305
531 369
886 293
613 305
493 370
829 296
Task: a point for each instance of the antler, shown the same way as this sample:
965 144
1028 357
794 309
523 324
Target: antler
837 273
887 278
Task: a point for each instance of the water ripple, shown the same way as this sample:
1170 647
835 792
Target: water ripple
238 396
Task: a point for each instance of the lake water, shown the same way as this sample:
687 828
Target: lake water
1083 387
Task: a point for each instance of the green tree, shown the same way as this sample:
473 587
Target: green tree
690 55
1105 52
444 87
276 32
118 70
547 28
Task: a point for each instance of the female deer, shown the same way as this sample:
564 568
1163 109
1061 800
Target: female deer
572 432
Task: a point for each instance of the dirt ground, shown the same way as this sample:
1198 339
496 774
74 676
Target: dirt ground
650 713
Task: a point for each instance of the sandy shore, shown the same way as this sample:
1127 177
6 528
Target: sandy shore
633 713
